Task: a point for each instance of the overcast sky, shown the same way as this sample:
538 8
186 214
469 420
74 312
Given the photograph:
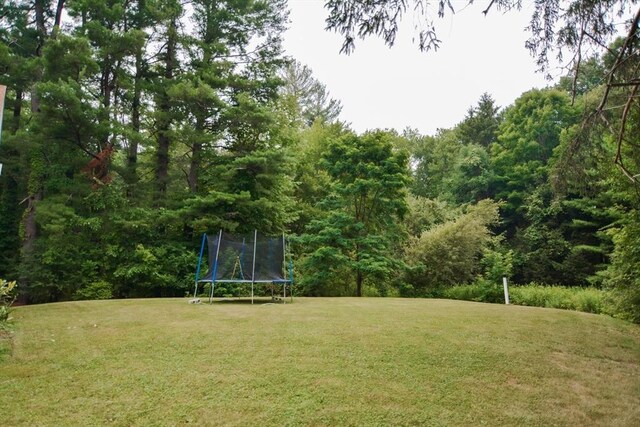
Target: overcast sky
401 87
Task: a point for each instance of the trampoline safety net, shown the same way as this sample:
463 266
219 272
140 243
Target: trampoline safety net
251 258
235 258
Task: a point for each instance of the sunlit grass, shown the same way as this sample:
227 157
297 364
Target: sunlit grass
318 361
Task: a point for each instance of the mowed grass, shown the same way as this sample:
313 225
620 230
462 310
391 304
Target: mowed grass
343 361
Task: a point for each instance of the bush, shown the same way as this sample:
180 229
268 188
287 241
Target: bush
7 297
481 291
589 300
451 252
95 290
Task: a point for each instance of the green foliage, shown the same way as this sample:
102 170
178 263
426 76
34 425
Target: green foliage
623 275
450 253
155 271
310 97
479 291
355 236
7 297
527 137
497 262
449 167
426 213
209 132
312 182
9 220
589 300
434 157
189 111
94 291
590 75
471 174
480 125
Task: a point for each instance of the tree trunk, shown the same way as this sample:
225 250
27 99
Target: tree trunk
196 158
34 185
132 153
196 155
105 92
17 110
58 16
30 229
359 280
136 104
164 122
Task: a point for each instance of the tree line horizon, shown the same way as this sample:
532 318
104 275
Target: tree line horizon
128 133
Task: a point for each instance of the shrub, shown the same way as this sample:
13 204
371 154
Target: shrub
7 297
95 290
450 253
497 262
480 291
590 300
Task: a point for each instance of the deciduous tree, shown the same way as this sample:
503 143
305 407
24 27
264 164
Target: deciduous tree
367 200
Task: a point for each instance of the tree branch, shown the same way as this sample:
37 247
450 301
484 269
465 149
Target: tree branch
484 12
618 160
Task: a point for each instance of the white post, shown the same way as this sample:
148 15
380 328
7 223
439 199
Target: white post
506 290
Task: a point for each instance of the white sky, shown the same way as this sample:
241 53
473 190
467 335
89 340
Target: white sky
402 87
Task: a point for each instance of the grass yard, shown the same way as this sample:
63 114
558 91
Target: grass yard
320 361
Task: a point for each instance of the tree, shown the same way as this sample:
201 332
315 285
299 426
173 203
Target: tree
366 202
623 276
310 96
451 252
446 169
480 125
122 88
592 73
312 181
578 27
426 213
530 132
433 158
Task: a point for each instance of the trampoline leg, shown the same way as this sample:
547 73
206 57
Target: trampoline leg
213 285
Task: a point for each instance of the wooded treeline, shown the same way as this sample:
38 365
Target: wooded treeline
132 127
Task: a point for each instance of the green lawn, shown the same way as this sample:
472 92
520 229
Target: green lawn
322 361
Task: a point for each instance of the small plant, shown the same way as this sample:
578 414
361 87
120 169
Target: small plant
7 297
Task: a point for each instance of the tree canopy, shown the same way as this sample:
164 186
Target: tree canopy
572 31
133 127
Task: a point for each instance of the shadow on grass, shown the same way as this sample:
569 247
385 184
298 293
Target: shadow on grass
246 301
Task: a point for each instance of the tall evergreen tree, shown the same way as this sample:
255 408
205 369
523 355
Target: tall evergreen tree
310 96
480 125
